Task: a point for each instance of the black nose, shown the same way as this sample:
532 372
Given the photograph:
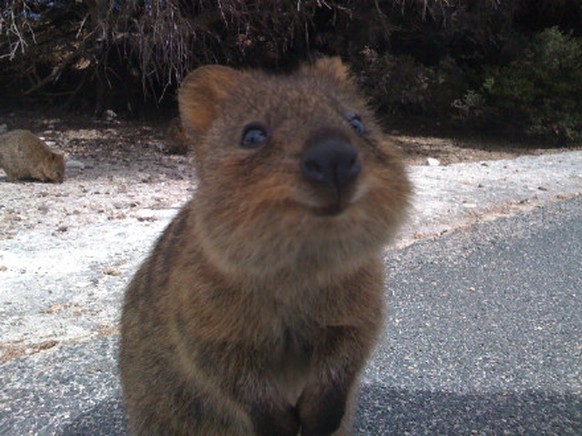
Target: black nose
332 162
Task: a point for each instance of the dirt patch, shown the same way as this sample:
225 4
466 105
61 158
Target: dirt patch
449 149
14 350
113 141
118 169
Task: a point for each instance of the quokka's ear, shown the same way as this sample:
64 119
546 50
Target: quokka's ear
201 94
331 68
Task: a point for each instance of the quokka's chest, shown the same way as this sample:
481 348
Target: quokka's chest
292 363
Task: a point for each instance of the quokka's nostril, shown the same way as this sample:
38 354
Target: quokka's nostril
313 170
312 166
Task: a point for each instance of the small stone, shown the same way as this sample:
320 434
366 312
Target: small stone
47 344
53 309
432 162
71 164
110 271
110 115
145 215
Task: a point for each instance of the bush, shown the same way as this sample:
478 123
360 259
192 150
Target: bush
541 89
401 85
439 59
100 50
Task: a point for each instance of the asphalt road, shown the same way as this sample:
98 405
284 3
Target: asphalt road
484 337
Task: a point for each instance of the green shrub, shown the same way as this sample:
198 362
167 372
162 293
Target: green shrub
402 85
541 89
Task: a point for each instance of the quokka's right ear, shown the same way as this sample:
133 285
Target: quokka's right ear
201 94
333 69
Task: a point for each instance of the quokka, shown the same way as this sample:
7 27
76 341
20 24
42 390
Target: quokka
24 156
261 302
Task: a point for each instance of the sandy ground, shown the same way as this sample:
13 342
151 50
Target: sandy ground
68 250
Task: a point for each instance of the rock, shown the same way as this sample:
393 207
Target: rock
110 271
72 164
432 162
109 115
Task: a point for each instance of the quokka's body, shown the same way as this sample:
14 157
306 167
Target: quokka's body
262 300
24 156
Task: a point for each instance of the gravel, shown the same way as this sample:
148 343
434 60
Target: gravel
67 251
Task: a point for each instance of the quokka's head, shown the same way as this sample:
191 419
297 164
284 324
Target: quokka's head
290 165
52 168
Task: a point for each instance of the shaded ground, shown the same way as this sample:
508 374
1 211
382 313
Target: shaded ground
86 138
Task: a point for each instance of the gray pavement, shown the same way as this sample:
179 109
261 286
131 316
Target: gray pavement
484 337
485 333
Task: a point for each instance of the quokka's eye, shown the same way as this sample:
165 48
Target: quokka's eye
357 124
254 136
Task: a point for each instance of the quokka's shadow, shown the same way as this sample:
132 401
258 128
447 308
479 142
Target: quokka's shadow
105 419
393 411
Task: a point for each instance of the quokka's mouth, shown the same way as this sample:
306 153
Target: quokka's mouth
325 203
331 210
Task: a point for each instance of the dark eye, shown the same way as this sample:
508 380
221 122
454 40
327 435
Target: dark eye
357 124
253 136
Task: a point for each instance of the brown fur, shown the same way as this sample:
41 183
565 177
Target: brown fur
259 305
23 156
176 139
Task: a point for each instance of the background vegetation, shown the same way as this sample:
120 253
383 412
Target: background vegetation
508 64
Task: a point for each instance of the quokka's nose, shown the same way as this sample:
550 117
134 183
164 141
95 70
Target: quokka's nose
332 162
